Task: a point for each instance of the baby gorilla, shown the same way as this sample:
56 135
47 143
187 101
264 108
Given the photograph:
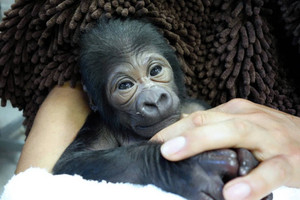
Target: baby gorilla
135 86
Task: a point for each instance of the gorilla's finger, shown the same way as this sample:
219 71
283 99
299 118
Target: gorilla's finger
268 176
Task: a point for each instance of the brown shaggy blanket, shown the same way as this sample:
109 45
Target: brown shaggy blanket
247 49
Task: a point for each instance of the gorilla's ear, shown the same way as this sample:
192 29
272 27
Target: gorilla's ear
93 106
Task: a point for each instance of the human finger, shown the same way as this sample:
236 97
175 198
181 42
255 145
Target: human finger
174 130
232 133
260 114
238 106
268 176
196 119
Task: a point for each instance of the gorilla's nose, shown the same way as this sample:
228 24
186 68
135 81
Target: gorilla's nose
154 102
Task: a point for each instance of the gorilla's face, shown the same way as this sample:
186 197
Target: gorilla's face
143 93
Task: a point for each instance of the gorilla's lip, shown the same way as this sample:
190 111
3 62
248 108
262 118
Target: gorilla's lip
155 127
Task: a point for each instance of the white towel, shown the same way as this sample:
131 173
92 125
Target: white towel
38 184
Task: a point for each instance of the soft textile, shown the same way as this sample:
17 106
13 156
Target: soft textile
37 184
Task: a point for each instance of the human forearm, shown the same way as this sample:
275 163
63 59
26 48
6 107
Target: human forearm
56 124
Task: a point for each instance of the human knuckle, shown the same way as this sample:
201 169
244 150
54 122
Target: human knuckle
238 102
241 125
279 135
259 115
197 113
198 118
282 167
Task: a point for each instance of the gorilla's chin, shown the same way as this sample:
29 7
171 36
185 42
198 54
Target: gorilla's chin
149 130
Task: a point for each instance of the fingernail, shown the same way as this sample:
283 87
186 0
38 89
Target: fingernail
238 191
173 146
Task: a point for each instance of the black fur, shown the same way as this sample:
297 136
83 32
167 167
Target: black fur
111 42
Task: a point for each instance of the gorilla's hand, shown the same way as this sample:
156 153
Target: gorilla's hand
208 172
219 166
247 162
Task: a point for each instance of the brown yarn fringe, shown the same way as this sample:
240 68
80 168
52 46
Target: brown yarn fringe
229 47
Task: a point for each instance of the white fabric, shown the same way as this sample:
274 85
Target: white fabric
37 184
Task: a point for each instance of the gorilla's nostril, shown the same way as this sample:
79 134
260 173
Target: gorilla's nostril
163 97
154 103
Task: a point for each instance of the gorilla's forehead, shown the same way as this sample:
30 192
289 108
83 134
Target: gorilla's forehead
145 59
138 62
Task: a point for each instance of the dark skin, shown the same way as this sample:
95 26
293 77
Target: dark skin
142 91
136 89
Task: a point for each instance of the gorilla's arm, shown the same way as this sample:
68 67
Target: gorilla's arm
199 177
142 163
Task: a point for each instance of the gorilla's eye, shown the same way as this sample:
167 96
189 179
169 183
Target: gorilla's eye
125 85
155 70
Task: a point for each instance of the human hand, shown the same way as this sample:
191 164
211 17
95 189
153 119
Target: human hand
271 135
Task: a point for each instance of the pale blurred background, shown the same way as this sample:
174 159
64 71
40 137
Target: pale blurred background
11 130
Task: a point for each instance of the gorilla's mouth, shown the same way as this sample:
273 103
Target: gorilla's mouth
150 129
